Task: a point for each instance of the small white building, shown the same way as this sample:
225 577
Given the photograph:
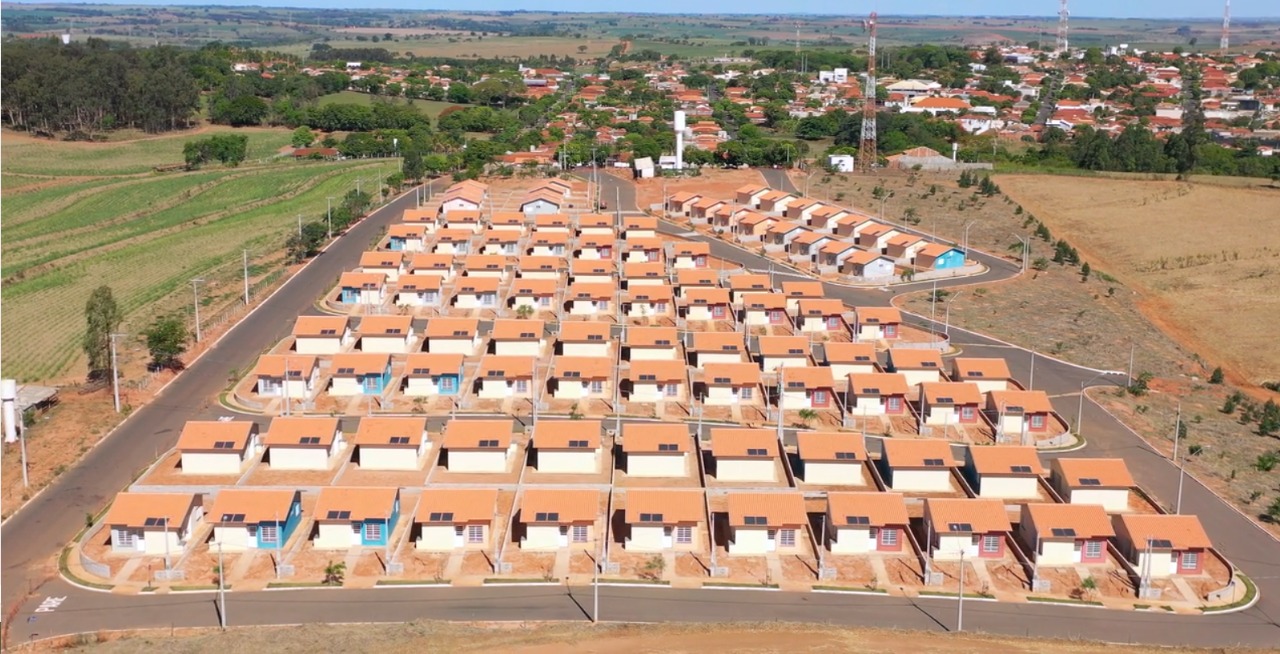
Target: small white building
862 523
585 339
658 381
846 359
783 351
717 347
217 448
387 334
1065 534
304 443
248 519
968 528
518 337
877 323
153 523
582 378
728 384
479 446
453 519
567 446
1162 546
921 466
760 523
453 336
555 519
283 375
355 517
1004 471
831 458
748 455
987 374
505 377
656 449
918 366
651 343
664 520
386 262
385 443
428 375
321 334
419 290
1105 482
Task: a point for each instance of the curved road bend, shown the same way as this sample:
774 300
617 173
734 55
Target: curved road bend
1250 548
50 520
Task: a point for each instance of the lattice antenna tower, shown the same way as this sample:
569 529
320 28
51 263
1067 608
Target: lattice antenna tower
1063 15
1225 42
867 142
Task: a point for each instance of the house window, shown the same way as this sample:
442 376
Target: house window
819 398
579 533
889 537
488 299
1037 421
746 393
269 534
522 386
597 386
833 322
446 384
670 390
373 531
786 538
545 300
1093 549
890 331
1189 561
895 404
475 533
990 544
684 535
718 311
966 413
660 307
126 538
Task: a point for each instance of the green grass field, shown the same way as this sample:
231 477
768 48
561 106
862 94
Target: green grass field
80 215
431 108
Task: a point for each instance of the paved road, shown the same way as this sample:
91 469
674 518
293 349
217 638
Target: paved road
53 518
50 520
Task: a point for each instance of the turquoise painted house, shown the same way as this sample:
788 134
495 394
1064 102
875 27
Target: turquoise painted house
254 519
360 373
936 256
356 517
428 374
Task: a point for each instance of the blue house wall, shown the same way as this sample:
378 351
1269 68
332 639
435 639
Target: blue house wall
388 525
953 258
375 384
452 389
350 295
396 243
286 528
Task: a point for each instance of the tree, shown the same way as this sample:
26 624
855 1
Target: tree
1088 587
102 317
807 416
1216 376
335 573
1085 270
582 49
166 340
524 311
302 137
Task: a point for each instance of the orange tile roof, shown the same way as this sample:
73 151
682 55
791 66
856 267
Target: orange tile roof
644 270
456 505
966 516
320 326
534 287
583 332
1026 401
385 325
162 510
657 370
431 261
272 365
912 359
950 393
236 506
877 383
427 363
591 291
761 301
205 435
880 509
382 431
1006 460
380 259
784 346
830 446
823 307
806 377
476 285
686 277
583 267
1083 520
645 438
652 337
639 222
517 329
913 453
705 296
666 507
1109 473
559 506
594 220
974 369
734 374
480 262
850 353
419 283
767 509
1184 532
291 431
803 289
359 363
650 293
739 442
749 282
343 504
507 367
477 434
878 315
362 280
691 249
451 327
590 368
565 434
532 263
718 342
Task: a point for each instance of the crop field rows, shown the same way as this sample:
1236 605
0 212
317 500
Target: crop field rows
146 237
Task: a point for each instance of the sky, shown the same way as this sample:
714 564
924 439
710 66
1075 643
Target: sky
1240 9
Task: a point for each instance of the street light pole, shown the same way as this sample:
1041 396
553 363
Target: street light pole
329 215
195 292
960 602
246 277
1026 249
115 373
933 304
1177 458
222 589
946 328
967 225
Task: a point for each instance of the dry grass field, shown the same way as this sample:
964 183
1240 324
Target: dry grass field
463 46
1204 258
602 639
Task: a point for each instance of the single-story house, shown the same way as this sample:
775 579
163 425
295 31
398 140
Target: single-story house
540 268
643 273
658 381
558 518
639 227
989 374
418 290
567 446
502 377
214 447
359 373
593 299
517 337
846 359
1161 546
1020 412
968 528
704 303
717 347
1003 472
750 195
537 294
904 247
451 519
828 457
362 288
921 465
1065 534
452 335
386 334
650 301
748 283
692 254
868 265
478 446
1106 482
476 292
659 520
877 394
916 365
584 339
651 343
321 334
385 443
877 323
283 375
153 523
806 387
783 352
303 443
432 264
744 454
820 316
861 523
936 256
387 263
727 384
355 517
656 449
428 374
406 237
950 403
245 519
760 523
760 309
579 378
485 265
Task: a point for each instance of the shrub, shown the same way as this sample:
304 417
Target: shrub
1216 376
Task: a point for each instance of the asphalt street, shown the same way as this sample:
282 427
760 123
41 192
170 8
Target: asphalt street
49 521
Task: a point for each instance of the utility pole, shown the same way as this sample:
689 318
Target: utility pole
1031 381
933 303
946 328
299 226
960 600
115 372
329 218
222 587
246 278
195 291
1177 459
